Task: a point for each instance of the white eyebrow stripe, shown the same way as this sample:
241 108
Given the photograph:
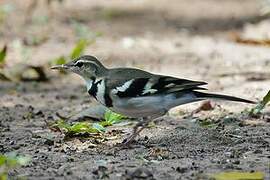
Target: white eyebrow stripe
86 61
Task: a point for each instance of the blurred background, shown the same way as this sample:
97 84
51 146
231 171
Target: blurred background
223 42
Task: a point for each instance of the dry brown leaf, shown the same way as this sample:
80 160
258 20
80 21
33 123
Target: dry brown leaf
255 42
205 106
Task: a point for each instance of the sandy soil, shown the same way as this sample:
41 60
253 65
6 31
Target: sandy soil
183 38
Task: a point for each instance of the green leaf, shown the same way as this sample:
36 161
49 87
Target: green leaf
3 176
2 160
3 54
266 98
105 123
23 160
238 176
99 127
77 128
12 160
86 127
61 124
79 48
112 117
261 105
81 127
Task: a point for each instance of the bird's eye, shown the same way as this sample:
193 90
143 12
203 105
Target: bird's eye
79 64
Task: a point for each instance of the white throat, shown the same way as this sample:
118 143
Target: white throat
88 83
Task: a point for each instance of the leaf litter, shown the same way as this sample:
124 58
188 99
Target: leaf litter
87 129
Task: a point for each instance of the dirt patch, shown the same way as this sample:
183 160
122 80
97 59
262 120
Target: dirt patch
174 39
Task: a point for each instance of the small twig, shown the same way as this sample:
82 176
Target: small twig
61 116
233 135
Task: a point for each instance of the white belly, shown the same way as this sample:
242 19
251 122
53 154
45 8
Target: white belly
148 105
139 106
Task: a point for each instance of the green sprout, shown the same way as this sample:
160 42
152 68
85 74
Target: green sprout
78 128
79 48
77 51
3 54
261 105
86 38
112 118
60 60
11 161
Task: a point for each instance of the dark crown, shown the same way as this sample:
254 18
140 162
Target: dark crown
88 59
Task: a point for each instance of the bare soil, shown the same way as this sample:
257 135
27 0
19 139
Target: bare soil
182 38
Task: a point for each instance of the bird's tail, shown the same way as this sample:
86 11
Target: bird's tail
222 97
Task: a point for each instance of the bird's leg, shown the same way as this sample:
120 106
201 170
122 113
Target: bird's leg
137 129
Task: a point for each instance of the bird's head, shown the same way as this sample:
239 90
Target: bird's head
86 66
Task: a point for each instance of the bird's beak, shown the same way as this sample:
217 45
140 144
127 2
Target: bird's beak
60 67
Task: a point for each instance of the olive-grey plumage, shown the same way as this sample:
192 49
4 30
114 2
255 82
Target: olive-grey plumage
137 93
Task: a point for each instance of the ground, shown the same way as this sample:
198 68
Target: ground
184 38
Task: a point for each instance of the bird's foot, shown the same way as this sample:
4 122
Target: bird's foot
126 143
129 140
136 131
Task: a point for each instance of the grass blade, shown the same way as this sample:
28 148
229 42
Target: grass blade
261 105
79 49
3 54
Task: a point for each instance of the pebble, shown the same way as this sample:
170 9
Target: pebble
181 169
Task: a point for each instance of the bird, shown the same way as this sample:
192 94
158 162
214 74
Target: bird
137 93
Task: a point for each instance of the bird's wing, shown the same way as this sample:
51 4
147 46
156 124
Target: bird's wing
141 83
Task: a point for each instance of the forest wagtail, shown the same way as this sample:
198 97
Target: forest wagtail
136 93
